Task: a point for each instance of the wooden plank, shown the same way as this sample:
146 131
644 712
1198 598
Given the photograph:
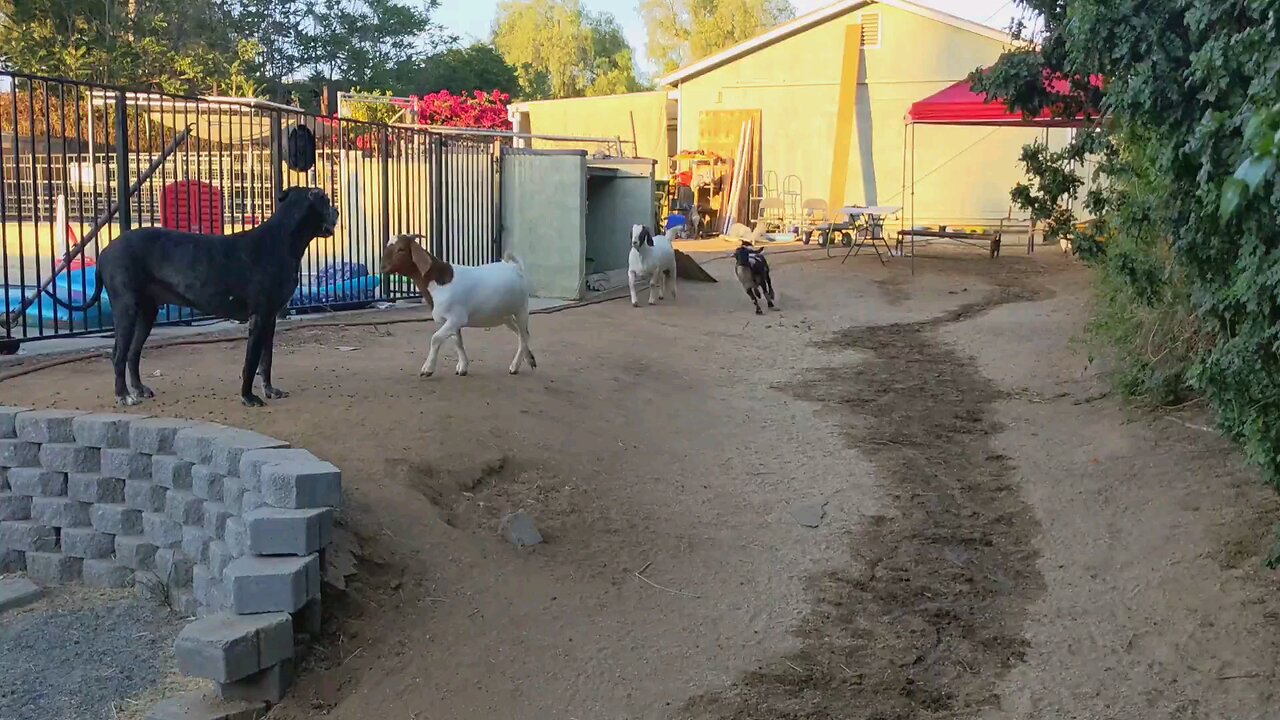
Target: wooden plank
846 111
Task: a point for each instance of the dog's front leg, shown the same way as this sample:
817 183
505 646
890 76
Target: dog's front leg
264 367
252 356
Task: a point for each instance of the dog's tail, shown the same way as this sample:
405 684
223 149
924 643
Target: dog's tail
71 307
510 257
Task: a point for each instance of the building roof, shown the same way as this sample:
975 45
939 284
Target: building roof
815 18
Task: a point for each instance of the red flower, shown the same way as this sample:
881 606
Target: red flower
480 110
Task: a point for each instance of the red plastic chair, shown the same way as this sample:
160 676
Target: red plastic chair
192 206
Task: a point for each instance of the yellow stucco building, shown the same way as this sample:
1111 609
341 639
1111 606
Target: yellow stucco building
791 76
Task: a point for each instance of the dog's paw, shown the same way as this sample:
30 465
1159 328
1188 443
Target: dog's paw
252 400
273 393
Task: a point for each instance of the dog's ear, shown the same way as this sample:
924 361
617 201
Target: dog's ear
318 197
421 258
284 195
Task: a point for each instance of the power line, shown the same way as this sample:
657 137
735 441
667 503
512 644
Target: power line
997 12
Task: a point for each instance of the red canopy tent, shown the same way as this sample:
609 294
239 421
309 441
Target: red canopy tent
961 105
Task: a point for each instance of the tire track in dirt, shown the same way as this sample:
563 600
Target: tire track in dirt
929 615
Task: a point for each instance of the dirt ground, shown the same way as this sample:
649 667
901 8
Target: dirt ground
1000 539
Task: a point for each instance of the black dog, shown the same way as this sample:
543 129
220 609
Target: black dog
753 272
249 276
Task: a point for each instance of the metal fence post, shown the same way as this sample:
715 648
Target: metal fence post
277 157
384 153
497 198
122 163
437 195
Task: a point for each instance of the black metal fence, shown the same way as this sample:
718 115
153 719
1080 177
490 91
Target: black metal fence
81 161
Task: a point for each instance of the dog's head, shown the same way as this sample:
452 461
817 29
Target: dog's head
640 235
315 211
403 255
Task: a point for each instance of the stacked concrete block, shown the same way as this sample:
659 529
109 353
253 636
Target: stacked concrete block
222 523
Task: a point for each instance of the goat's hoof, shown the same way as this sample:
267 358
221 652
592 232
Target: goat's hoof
635 304
461 372
425 373
252 400
513 371
275 393
128 401
759 311
143 391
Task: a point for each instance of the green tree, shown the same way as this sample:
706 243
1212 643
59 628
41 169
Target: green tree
681 31
164 44
559 49
1186 242
459 69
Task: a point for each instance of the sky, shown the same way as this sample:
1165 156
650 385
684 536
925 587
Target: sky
473 19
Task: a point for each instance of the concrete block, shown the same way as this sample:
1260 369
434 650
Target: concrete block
12 560
204 706
116 519
230 449
267 685
227 647
206 483
250 501
70 458
87 543
53 568
236 536
272 584
28 536
94 488
46 426
145 496
135 552
184 603
209 591
301 485
8 415
60 512
232 491
17 592
37 482
149 586
195 542
19 453
155 436
161 530
14 507
125 464
171 471
252 462
277 531
195 444
173 567
218 557
103 430
104 574
215 519
185 508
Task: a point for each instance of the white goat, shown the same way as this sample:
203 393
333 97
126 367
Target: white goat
461 296
654 259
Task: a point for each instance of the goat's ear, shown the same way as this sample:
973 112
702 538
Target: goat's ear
421 258
647 236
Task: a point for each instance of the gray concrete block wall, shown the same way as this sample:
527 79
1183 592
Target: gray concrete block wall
224 523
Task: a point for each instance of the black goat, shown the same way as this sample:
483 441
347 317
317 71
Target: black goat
753 272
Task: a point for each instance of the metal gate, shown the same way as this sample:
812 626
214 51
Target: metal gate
81 163
468 225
